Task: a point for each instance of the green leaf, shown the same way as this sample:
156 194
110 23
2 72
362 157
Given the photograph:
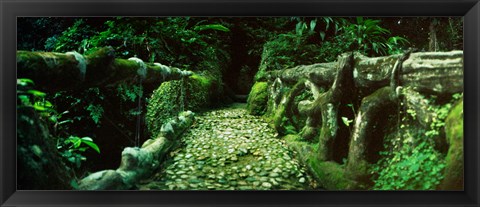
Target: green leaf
87 139
39 107
24 81
48 104
346 121
299 28
66 121
92 145
359 20
322 35
313 23
77 143
327 22
74 184
37 93
217 27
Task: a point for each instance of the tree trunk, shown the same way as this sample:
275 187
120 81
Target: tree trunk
432 36
63 71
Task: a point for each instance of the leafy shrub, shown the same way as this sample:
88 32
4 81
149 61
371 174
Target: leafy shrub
70 148
288 50
370 38
74 38
417 167
29 97
412 162
73 147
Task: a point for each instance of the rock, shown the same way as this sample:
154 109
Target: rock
266 185
301 180
274 174
103 180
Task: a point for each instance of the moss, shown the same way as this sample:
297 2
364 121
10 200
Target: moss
287 119
203 81
167 101
280 119
360 172
292 138
199 92
162 105
454 159
257 99
331 175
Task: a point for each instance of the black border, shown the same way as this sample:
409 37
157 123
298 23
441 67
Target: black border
10 9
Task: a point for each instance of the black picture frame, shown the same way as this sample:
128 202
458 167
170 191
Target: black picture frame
10 9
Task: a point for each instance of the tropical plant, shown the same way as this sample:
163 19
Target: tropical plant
35 99
73 147
368 37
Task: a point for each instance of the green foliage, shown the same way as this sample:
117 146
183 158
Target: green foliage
322 39
73 38
417 167
288 50
96 112
413 163
35 99
346 121
73 147
217 27
440 113
365 36
129 93
70 148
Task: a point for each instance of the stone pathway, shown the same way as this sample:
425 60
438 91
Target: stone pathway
227 149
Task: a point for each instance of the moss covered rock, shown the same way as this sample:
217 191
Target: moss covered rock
257 99
192 93
454 161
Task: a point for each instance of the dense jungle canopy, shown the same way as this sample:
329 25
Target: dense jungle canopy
240 103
